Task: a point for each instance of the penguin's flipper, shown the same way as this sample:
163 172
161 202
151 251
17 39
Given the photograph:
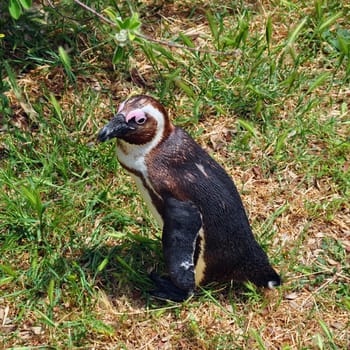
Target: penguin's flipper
182 222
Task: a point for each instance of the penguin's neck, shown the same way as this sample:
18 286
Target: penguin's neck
133 157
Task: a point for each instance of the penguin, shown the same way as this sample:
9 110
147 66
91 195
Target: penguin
206 235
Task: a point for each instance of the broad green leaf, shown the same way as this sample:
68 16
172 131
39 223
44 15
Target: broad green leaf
131 36
135 22
15 9
125 24
27 4
119 23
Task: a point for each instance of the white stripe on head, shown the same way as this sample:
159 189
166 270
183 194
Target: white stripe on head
159 117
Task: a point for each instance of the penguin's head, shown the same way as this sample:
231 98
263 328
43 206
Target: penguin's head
140 119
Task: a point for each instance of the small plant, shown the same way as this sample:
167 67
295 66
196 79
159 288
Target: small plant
16 7
124 32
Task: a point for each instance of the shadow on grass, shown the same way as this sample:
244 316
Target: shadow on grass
123 270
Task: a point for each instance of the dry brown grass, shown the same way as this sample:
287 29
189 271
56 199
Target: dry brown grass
287 318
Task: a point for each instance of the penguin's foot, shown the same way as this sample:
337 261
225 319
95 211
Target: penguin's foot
166 290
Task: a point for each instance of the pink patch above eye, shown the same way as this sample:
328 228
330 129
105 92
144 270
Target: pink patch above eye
138 114
121 107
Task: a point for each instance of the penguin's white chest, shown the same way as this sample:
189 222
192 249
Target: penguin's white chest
135 161
147 198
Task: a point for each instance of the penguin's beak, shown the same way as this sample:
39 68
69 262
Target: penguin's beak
117 127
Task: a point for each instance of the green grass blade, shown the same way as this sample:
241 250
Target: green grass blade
258 339
268 31
318 9
328 334
186 40
66 62
247 126
33 197
318 82
212 24
85 265
62 53
50 291
8 270
102 265
296 32
184 87
327 23
56 106
118 55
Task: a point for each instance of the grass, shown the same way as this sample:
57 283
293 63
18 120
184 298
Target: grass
76 241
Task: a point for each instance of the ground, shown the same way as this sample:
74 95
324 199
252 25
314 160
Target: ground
77 242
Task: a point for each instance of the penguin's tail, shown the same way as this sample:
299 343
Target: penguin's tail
274 283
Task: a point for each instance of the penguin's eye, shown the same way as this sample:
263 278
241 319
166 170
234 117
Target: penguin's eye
141 120
138 115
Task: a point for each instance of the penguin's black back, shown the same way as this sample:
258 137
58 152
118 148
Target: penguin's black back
180 168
